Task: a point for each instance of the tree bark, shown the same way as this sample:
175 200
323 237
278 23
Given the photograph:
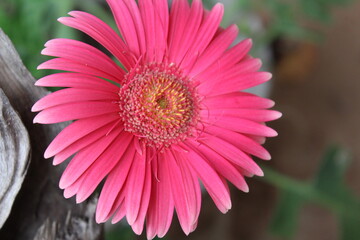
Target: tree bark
39 211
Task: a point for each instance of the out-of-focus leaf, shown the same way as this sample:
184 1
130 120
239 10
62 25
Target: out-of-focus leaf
350 228
331 173
316 10
286 215
120 232
328 189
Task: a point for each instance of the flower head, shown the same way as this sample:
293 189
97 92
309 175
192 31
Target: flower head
172 115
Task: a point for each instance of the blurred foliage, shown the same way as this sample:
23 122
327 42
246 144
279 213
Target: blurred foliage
29 24
327 189
282 18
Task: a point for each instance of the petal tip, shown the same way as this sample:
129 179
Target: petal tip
245 189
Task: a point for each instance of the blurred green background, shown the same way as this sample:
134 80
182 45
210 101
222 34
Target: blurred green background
311 187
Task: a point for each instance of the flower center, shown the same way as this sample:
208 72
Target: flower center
158 104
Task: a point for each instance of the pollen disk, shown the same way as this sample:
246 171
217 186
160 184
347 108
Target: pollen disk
158 104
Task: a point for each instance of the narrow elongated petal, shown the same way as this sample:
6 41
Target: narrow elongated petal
135 187
204 36
103 165
82 128
211 180
237 100
113 185
83 53
255 115
165 200
102 33
191 184
179 29
77 80
241 141
138 225
83 142
66 96
79 110
215 49
224 167
127 28
242 126
237 83
78 67
233 154
84 159
228 60
151 32
185 211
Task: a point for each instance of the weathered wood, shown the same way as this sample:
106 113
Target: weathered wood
39 200
15 150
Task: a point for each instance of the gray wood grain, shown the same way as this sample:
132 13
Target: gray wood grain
40 200
14 155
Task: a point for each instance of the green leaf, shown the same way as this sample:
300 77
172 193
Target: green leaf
327 189
285 218
331 173
350 228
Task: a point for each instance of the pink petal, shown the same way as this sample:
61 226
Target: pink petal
212 78
162 8
179 29
71 66
204 36
135 187
126 24
102 33
231 153
120 213
82 143
148 16
238 83
241 126
236 100
224 167
185 212
165 201
245 66
83 53
258 139
211 180
77 80
191 184
145 200
241 141
71 95
103 165
84 159
135 13
74 111
71 190
215 49
228 60
256 115
82 128
152 214
114 184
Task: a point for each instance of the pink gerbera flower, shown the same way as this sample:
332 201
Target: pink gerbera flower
172 115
